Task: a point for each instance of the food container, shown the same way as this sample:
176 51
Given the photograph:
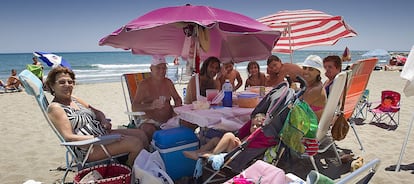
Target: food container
199 105
247 100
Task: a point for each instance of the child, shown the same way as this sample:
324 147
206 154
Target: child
256 78
229 141
229 73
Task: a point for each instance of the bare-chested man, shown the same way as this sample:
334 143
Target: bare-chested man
153 97
277 71
208 72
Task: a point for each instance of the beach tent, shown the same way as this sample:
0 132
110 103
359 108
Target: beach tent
407 74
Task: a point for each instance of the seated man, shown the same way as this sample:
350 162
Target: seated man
13 81
207 78
153 97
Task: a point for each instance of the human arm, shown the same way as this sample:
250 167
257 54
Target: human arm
239 81
61 121
174 94
190 93
140 101
100 116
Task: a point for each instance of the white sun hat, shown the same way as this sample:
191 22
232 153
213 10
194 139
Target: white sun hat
314 61
158 59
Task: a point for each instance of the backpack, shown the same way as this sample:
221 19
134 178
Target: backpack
301 124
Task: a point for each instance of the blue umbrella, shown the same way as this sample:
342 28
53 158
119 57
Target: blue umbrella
52 60
381 54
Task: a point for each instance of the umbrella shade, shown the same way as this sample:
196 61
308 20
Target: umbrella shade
52 60
346 56
305 28
171 31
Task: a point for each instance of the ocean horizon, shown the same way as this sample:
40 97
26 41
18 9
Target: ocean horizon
97 67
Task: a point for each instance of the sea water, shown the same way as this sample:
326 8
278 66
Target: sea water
96 67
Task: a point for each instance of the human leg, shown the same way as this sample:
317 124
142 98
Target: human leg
149 129
228 142
138 133
206 148
126 144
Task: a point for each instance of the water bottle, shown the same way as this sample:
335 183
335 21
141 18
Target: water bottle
228 94
184 92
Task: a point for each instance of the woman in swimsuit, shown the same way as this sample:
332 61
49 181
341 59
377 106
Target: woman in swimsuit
315 94
332 65
76 120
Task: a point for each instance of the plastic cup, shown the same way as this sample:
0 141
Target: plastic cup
211 94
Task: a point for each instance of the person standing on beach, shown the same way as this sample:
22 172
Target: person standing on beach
332 64
153 96
228 72
207 79
277 71
76 120
256 78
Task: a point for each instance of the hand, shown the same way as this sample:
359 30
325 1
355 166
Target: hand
106 124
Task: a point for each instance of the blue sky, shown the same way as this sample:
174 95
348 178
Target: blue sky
78 25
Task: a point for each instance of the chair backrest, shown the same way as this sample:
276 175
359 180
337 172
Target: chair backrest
357 83
34 87
394 96
131 80
332 105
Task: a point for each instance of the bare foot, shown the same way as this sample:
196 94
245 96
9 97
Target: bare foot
191 154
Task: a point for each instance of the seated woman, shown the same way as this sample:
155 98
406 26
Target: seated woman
229 141
315 94
256 78
76 120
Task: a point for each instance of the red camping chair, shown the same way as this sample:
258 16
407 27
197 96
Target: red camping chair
388 109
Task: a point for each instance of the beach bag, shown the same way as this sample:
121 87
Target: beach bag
341 127
105 174
301 124
150 168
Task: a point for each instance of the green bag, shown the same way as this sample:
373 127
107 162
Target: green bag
300 122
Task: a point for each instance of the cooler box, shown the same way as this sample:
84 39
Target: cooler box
171 143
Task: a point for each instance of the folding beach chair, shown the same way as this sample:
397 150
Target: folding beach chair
357 82
387 109
362 106
33 86
130 82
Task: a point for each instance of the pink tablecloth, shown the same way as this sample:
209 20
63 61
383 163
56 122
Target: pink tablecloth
223 118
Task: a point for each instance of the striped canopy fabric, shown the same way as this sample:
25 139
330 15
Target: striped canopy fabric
305 28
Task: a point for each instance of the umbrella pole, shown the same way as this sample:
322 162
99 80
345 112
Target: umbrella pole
290 43
196 52
397 168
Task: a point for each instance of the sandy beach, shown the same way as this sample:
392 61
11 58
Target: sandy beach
30 150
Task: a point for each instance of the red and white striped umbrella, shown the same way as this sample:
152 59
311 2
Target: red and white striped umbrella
305 28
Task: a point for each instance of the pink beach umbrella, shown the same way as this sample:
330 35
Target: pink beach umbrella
181 30
195 33
306 28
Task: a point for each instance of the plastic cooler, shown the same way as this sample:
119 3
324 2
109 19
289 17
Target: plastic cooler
171 143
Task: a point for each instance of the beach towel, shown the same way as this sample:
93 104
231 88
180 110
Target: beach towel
408 74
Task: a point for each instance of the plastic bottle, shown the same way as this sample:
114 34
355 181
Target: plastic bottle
184 92
228 94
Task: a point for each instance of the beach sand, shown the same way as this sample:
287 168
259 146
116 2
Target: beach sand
30 149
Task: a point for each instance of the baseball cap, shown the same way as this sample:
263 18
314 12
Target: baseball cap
314 61
158 59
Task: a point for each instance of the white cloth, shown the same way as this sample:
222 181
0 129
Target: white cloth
223 118
408 74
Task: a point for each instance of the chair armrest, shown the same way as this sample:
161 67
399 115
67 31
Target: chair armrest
102 140
139 113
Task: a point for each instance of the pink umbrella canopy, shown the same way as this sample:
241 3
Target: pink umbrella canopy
176 31
305 28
